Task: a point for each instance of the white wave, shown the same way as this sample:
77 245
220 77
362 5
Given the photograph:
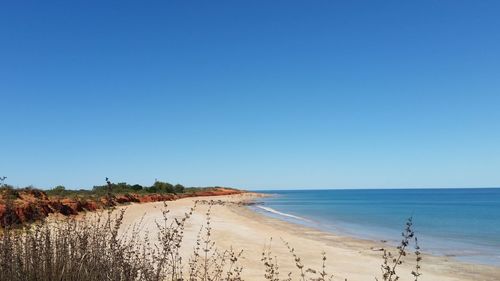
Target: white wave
271 210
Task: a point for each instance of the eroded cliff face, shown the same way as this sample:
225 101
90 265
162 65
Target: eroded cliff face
32 205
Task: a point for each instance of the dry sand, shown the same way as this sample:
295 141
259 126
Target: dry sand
238 227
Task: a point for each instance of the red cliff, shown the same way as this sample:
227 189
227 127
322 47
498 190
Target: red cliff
30 205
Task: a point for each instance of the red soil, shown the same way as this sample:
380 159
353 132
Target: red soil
32 205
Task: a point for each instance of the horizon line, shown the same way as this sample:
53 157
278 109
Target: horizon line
367 188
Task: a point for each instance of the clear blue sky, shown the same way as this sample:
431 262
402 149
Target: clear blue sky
251 94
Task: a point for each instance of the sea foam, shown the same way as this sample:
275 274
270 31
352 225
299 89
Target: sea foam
271 210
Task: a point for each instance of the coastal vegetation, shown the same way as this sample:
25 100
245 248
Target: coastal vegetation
158 187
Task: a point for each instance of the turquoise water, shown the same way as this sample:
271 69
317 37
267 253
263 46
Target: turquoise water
462 223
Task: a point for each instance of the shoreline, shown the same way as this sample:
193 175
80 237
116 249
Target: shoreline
239 227
435 246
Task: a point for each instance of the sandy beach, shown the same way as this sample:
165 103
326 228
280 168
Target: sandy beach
235 225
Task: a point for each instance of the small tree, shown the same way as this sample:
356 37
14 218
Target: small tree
179 188
163 187
58 190
136 187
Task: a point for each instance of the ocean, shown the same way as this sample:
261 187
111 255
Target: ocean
460 223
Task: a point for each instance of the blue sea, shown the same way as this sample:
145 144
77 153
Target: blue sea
460 223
